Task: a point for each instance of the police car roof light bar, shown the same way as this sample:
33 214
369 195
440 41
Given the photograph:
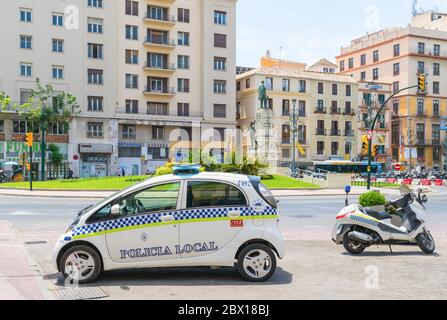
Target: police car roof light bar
183 169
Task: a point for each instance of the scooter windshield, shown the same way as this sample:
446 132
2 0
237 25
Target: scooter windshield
404 189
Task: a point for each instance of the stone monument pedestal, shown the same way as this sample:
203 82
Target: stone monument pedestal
266 138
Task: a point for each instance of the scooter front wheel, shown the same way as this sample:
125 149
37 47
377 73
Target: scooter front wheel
352 246
426 242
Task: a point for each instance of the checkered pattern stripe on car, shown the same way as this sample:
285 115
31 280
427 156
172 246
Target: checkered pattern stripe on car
364 220
182 215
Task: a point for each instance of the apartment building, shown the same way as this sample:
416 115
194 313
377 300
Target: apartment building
325 103
396 56
151 78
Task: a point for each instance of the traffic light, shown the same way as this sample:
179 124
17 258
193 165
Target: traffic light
29 139
375 150
422 87
365 143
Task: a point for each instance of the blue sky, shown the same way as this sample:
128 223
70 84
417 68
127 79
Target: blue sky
308 30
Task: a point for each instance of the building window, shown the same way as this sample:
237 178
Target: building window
436 69
183 62
238 110
436 154
220 86
58 19
155 153
26 42
247 83
286 134
183 15
334 148
95 51
348 90
268 83
183 38
320 148
95 104
130 133
436 108
421 48
421 67
131 32
220 64
396 86
376 56
342 65
131 81
376 74
132 56
157 108
220 17
58 72
26 15
286 153
334 89
132 106
95 3
132 8
2 126
420 107
396 50
286 108
396 69
435 87
363 59
302 108
436 50
158 133
95 76
95 130
183 85
26 69
363 75
220 111
183 109
220 40
58 128
285 85
95 25
351 63
19 127
58 45
302 86
320 88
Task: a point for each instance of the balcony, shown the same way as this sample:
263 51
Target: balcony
320 132
428 142
164 21
349 112
335 132
167 69
349 133
163 92
158 44
321 110
335 111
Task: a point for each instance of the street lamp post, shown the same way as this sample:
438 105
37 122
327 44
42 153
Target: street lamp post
294 117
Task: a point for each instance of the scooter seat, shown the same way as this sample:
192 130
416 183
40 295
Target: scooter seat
378 215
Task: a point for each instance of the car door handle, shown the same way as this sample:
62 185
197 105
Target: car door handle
234 214
167 219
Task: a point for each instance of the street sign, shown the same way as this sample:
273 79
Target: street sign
397 167
370 135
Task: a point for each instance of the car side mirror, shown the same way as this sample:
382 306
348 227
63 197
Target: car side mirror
115 211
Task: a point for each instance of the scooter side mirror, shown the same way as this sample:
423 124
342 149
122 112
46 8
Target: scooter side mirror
424 199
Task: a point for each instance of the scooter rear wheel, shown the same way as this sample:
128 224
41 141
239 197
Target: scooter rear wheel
353 247
426 242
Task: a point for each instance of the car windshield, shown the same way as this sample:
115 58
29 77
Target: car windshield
100 203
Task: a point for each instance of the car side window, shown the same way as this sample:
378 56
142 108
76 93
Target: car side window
202 194
154 199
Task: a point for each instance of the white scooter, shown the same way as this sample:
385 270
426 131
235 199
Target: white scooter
402 222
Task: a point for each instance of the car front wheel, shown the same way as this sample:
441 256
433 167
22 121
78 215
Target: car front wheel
256 263
81 264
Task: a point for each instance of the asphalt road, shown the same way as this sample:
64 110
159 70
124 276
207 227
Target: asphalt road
314 268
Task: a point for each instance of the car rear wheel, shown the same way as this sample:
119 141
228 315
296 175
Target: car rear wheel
81 264
256 263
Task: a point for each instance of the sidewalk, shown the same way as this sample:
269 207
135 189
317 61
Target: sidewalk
103 194
18 279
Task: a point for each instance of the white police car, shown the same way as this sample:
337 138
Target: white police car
182 220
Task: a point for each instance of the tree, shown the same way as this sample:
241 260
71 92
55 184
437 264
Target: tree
56 157
44 107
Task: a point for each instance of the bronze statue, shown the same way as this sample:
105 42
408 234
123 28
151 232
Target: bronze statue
262 96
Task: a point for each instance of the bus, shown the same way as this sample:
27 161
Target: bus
341 166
